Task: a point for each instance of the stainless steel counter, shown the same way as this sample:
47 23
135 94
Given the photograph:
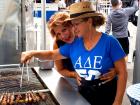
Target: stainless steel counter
60 88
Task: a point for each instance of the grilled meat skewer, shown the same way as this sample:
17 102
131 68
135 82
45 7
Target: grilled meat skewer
1 97
26 97
33 96
29 97
3 102
11 99
42 95
8 98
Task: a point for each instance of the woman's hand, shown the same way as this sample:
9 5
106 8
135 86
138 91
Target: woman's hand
78 78
108 76
26 56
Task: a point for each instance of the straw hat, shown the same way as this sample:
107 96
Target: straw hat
83 10
58 18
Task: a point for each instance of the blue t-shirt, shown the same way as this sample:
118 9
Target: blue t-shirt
65 62
91 64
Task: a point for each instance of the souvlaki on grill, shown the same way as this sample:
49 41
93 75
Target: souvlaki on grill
33 91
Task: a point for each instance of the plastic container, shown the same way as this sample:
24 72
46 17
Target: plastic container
45 64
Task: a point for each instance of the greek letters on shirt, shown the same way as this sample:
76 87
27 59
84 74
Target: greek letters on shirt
91 64
89 69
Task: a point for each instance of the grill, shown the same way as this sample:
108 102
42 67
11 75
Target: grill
33 92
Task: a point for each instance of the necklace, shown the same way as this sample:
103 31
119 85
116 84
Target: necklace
90 44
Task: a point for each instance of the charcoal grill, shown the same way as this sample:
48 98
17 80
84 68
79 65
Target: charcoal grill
10 83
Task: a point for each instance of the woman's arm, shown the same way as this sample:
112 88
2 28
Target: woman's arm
43 54
108 76
120 67
60 67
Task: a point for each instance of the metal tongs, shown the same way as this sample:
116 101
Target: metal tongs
27 71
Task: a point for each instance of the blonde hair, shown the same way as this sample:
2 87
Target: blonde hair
59 18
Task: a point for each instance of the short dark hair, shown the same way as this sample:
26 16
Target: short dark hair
114 2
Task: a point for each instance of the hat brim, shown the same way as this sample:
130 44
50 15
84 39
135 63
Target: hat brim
84 16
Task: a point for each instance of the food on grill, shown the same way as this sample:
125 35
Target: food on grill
26 97
29 94
8 98
37 97
29 97
1 97
34 97
11 99
3 102
19 98
42 95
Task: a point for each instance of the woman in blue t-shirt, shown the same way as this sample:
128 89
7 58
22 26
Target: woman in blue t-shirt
64 66
92 54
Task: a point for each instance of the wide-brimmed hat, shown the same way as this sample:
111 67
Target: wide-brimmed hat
58 18
83 9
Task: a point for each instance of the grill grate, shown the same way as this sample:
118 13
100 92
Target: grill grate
10 81
10 84
23 98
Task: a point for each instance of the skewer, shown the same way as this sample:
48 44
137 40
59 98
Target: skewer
1 97
42 95
8 97
3 102
34 96
26 97
18 98
12 99
29 97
